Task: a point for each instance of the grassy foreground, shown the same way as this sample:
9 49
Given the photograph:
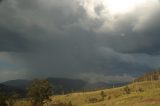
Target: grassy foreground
142 94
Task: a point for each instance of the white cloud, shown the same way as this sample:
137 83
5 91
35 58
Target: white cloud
141 13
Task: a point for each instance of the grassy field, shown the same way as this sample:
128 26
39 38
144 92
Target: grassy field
141 94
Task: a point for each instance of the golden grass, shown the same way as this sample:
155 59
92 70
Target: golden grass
116 96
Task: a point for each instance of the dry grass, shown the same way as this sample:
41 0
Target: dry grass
116 96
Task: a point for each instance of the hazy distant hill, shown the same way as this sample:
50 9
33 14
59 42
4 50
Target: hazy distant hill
64 85
19 83
59 84
154 75
9 90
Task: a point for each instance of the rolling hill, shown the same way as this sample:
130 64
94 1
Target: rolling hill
10 89
140 93
145 93
64 85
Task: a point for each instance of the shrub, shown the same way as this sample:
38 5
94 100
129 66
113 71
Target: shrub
103 95
140 90
63 104
109 97
93 100
127 90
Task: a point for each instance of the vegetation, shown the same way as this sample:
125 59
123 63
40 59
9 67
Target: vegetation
151 76
63 104
13 98
103 95
127 90
8 100
146 93
3 99
39 92
141 94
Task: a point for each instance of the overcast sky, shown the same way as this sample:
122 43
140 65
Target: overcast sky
87 39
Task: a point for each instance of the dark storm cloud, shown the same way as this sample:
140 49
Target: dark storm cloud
62 39
12 42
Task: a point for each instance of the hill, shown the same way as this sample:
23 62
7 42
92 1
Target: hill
60 85
141 94
9 90
18 83
64 85
145 93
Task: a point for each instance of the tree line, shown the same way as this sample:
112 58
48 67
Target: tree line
155 75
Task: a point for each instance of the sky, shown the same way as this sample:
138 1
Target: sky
93 40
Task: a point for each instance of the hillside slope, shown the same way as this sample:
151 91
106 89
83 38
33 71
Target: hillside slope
63 85
145 93
142 94
9 90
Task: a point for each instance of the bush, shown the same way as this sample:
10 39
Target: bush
63 104
140 90
109 97
93 100
103 95
127 90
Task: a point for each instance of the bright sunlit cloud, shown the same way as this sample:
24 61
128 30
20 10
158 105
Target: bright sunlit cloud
113 11
121 6
112 7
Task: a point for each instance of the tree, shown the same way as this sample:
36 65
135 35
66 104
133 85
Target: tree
39 92
3 99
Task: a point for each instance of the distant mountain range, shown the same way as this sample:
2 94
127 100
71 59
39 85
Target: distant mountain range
60 85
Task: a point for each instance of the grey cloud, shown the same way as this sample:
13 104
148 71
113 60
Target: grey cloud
12 41
138 36
61 40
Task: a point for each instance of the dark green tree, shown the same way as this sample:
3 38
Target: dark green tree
39 92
